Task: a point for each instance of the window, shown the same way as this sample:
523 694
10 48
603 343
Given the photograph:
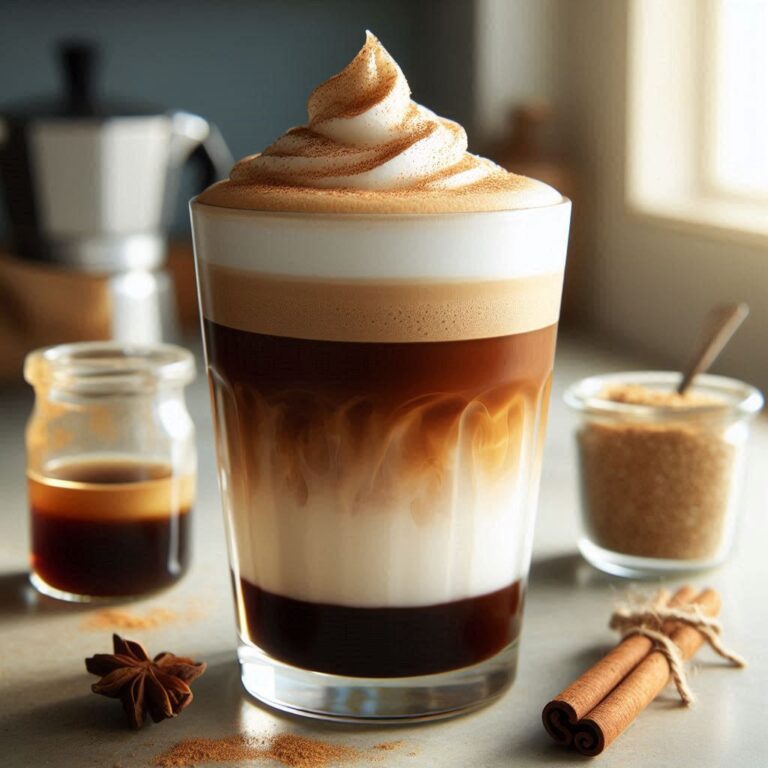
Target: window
737 161
698 114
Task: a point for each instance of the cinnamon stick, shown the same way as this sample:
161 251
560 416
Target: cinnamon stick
561 715
612 716
602 703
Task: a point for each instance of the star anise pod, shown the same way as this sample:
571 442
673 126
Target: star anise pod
158 686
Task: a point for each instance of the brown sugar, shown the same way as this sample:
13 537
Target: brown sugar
657 489
636 394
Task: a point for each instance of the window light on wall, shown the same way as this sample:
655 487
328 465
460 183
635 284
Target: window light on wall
697 142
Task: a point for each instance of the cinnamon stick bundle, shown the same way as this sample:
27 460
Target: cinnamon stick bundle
594 710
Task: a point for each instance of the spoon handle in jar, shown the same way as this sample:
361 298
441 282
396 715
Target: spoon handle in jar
725 321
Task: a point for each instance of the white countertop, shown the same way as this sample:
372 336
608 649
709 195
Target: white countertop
48 717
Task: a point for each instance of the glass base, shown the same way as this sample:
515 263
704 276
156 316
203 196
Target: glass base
382 700
634 567
44 588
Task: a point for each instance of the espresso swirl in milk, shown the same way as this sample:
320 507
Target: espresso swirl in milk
367 147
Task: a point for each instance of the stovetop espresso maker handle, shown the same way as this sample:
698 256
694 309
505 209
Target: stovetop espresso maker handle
78 62
200 142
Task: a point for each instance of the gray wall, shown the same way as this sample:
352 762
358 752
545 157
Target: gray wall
248 65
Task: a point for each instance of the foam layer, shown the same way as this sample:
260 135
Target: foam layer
117 502
516 192
368 148
376 311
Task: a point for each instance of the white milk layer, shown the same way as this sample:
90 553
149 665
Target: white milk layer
437 535
493 245
476 544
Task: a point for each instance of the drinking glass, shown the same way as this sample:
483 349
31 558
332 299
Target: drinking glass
379 386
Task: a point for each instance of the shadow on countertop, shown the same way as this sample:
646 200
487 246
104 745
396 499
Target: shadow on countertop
568 569
19 598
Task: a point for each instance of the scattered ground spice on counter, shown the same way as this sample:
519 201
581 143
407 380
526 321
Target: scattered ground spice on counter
285 748
388 746
117 618
121 618
192 752
302 752
657 489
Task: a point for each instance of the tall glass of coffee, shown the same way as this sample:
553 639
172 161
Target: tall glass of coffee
380 310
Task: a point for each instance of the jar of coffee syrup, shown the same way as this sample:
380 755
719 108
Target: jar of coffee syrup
110 469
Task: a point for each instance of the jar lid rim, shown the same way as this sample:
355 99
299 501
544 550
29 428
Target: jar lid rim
738 396
110 364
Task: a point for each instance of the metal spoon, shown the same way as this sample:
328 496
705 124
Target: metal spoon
723 322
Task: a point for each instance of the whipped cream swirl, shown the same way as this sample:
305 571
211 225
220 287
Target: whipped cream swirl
366 133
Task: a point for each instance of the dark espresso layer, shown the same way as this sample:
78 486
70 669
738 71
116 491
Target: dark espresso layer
388 372
97 531
109 559
382 642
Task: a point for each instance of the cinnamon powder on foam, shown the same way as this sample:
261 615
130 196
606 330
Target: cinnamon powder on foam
285 748
319 146
495 192
359 94
348 94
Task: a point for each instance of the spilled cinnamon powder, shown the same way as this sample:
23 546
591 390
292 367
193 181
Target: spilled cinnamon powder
388 746
119 618
302 752
116 618
285 748
191 752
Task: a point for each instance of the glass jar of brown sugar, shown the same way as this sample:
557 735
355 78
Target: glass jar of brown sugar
661 474
111 469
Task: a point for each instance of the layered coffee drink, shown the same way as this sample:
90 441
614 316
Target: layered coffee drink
380 311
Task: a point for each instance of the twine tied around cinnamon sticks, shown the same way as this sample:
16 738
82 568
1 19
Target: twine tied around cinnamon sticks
648 619
658 637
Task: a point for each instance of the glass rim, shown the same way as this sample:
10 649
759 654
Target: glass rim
739 398
194 203
106 366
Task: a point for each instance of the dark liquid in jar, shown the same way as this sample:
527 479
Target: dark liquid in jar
110 527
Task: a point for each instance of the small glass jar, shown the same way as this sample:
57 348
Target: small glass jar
661 483
111 469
